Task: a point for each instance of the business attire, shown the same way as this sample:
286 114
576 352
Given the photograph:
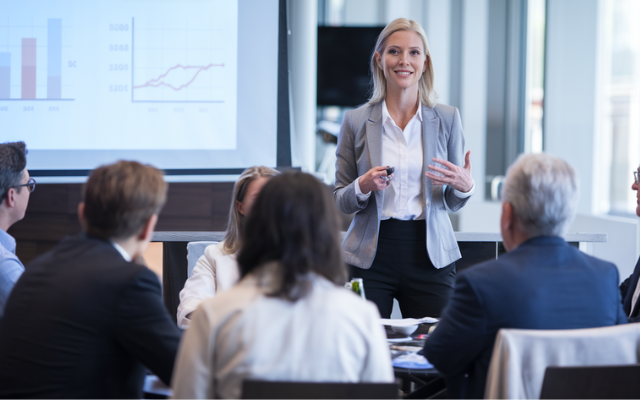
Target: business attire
411 205
214 272
83 322
542 284
330 335
630 291
10 268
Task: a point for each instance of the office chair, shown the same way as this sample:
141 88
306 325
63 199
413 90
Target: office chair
257 389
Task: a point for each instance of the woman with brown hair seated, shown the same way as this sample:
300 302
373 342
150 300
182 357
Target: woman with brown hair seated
289 318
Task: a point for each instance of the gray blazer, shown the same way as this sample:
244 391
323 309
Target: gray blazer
360 149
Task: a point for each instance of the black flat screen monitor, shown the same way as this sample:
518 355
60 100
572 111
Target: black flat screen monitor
344 53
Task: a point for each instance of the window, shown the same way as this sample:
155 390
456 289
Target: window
621 81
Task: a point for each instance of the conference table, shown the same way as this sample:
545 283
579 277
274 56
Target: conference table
414 383
475 248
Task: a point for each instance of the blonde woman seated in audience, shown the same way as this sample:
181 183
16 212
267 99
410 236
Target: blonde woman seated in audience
289 318
217 270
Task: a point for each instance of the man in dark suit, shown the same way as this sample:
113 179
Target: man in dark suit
630 288
84 320
541 283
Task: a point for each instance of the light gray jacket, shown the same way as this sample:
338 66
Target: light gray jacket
360 149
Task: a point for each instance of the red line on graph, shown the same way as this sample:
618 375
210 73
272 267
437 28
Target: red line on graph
155 82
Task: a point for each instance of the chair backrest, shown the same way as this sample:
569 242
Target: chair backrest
594 382
257 389
194 251
521 356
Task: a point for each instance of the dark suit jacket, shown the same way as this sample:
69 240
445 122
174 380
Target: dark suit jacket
542 284
83 323
626 289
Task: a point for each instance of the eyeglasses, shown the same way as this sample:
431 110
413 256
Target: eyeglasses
31 185
635 175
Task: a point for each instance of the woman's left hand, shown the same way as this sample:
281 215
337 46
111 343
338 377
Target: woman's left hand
457 177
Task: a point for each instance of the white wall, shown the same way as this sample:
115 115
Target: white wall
303 45
438 28
623 242
572 115
478 215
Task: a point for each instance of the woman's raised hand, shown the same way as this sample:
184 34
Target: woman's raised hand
457 177
375 179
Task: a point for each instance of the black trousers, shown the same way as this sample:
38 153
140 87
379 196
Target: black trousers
402 270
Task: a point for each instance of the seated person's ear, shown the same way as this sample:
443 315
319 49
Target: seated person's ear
147 230
10 199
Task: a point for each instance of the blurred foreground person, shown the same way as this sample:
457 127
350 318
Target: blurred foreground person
289 318
84 320
541 283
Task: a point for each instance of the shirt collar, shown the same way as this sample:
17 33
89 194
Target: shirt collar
7 241
387 118
122 251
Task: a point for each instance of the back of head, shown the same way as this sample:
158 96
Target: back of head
294 221
13 161
543 191
120 198
234 226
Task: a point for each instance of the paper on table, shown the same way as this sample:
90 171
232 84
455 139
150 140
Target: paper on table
407 321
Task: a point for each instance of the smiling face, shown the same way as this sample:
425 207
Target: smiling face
403 60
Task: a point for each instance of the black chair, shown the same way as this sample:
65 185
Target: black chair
592 382
256 389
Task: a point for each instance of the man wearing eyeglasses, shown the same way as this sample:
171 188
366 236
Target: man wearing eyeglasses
15 188
630 288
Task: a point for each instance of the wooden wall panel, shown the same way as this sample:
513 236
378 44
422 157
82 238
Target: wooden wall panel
52 213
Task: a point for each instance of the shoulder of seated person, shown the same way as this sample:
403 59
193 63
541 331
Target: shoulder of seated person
215 249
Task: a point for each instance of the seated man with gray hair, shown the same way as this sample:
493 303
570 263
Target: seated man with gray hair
541 283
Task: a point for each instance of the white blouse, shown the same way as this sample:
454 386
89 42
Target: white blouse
214 272
404 150
330 335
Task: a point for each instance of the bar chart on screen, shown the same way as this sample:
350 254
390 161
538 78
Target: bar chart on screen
181 62
31 60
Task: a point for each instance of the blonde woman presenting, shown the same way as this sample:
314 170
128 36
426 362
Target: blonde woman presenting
401 241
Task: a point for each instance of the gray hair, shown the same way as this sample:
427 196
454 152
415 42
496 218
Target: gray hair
425 86
543 191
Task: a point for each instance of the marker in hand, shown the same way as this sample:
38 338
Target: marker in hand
390 171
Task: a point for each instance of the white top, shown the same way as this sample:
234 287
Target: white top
123 252
634 299
331 335
214 272
403 198
521 356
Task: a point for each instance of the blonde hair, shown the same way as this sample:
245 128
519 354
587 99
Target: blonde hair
234 226
425 85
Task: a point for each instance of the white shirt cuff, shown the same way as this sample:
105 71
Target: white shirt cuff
462 195
359 195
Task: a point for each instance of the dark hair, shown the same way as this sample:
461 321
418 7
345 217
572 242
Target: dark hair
294 221
120 198
13 161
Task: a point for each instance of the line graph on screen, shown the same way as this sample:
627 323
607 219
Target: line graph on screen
182 62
